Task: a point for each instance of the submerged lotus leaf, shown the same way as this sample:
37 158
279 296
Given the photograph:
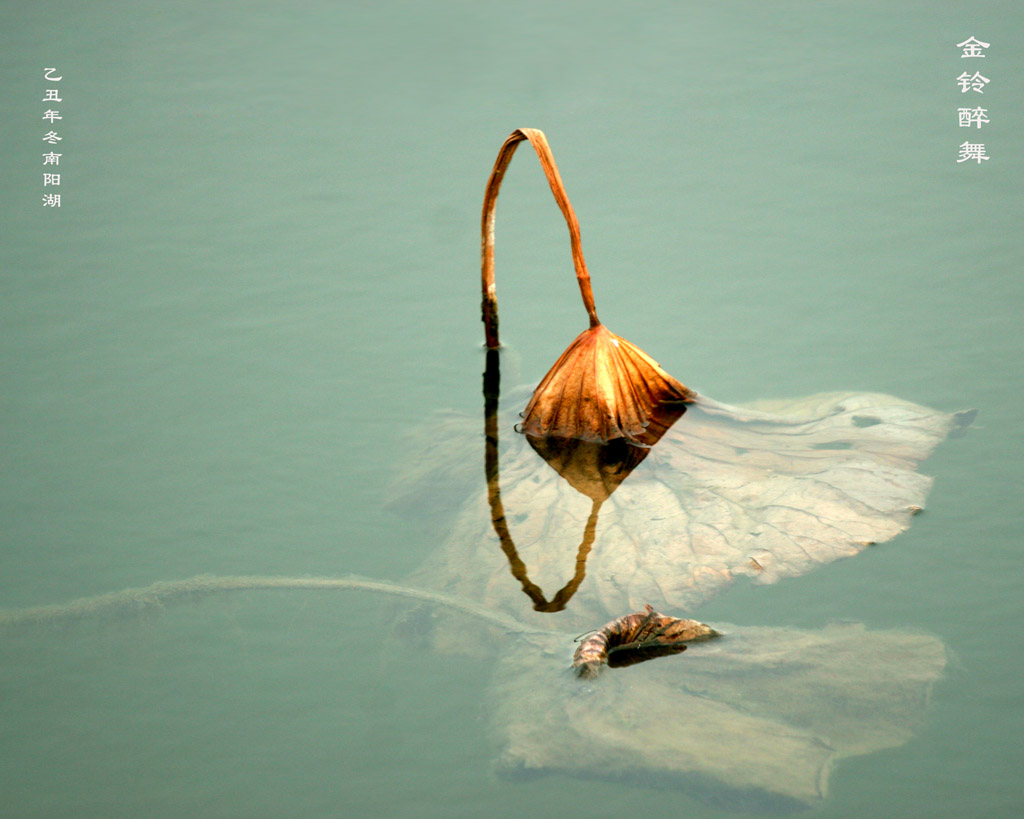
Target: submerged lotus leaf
758 717
768 492
755 718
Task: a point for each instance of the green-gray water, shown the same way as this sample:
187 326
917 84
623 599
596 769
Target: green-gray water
265 270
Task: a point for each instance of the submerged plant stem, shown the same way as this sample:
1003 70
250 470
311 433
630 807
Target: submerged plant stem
153 596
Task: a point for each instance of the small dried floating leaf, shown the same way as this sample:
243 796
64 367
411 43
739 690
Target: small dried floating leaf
635 638
603 388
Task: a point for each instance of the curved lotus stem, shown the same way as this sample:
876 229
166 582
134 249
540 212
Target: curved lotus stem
547 163
603 387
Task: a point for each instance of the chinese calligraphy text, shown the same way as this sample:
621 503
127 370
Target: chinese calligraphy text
972 48
51 199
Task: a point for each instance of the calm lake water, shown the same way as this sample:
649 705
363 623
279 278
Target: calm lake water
264 273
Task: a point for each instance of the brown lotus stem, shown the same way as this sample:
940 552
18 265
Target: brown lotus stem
547 163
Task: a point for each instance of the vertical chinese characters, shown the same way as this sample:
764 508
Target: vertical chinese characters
51 115
972 48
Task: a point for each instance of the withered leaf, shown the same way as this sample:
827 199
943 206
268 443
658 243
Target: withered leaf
636 638
603 388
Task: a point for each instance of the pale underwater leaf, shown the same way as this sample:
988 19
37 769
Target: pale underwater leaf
768 493
757 718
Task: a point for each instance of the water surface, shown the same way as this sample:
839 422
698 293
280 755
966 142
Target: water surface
265 269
